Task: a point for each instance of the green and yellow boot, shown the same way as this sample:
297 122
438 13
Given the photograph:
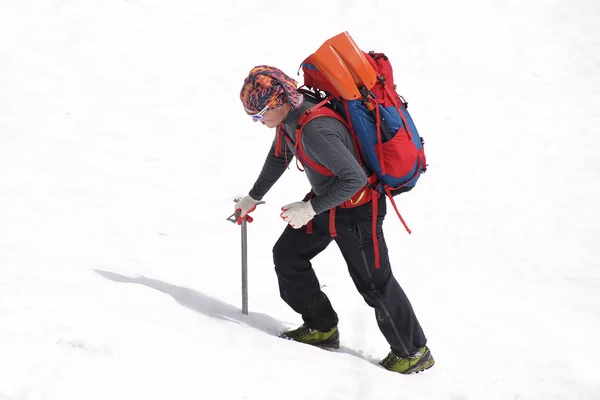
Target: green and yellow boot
420 361
304 334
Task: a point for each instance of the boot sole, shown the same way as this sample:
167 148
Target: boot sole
327 346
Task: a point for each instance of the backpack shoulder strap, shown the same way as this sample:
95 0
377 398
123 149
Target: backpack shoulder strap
318 110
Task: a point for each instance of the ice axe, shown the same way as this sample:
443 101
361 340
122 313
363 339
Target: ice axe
244 224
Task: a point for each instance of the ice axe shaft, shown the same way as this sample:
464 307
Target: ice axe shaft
245 267
244 228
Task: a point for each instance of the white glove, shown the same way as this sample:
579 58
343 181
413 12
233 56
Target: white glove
245 206
298 214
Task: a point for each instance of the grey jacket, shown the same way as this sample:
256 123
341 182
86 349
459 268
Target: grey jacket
327 142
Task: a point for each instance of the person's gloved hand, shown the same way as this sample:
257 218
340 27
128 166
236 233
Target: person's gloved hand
244 207
298 214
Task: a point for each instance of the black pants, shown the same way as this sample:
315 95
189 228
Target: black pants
300 289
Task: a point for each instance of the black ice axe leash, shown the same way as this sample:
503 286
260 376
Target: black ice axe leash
244 225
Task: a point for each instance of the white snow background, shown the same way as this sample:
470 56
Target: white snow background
123 143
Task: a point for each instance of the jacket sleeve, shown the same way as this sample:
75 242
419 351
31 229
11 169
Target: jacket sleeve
322 144
272 170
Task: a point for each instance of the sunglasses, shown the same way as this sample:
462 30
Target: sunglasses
259 115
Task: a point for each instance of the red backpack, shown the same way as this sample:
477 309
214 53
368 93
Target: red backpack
358 89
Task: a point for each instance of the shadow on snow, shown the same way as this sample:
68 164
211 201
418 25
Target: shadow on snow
215 308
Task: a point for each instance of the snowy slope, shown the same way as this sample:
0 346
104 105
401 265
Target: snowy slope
123 143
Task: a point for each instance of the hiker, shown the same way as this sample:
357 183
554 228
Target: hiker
271 97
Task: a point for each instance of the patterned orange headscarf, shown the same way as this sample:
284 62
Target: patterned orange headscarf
265 85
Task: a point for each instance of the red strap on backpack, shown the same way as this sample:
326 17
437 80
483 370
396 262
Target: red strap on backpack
317 111
279 142
374 230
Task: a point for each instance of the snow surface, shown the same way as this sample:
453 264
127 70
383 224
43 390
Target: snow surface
123 143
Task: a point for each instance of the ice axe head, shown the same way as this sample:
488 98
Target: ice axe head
235 217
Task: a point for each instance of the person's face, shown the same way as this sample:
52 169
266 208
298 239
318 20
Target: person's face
270 117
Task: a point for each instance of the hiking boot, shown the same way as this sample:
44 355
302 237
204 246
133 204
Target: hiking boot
420 361
304 334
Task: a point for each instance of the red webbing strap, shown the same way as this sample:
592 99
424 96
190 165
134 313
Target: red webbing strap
379 142
309 226
299 164
374 229
390 94
406 128
389 195
301 156
396 100
278 141
309 229
332 231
